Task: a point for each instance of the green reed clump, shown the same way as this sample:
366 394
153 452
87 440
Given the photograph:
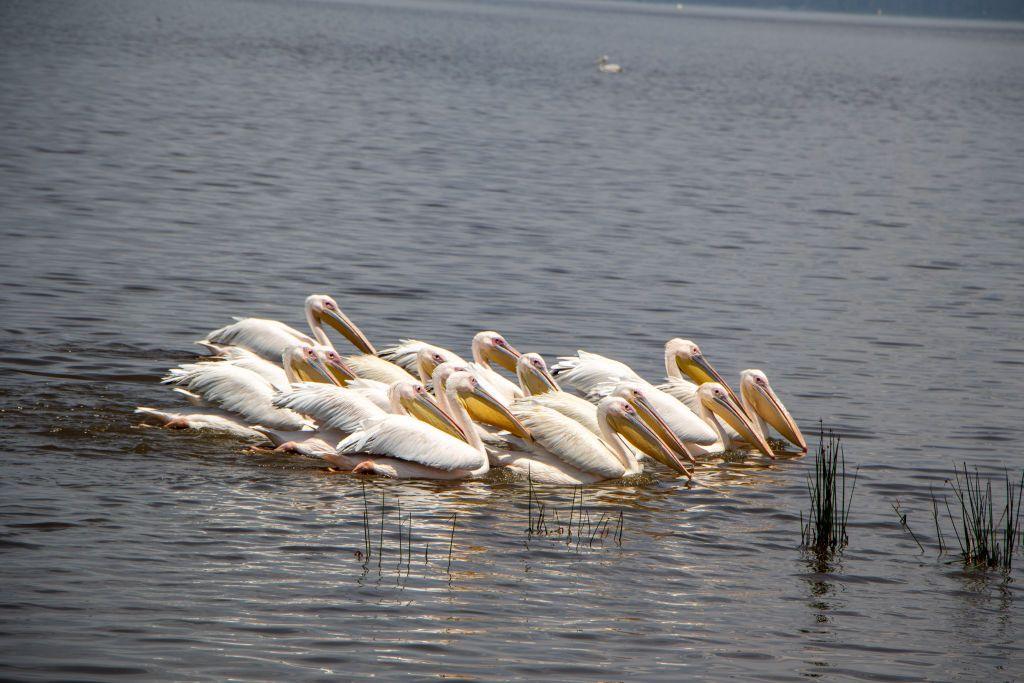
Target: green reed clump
825 529
986 540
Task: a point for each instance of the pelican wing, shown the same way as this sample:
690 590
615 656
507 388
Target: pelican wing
567 439
266 338
572 406
406 438
405 352
332 407
236 390
244 358
587 371
366 366
376 391
682 390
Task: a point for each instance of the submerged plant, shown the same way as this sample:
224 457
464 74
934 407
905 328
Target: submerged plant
825 529
985 540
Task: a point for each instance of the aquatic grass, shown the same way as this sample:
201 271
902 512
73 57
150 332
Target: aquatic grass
898 509
388 532
579 529
935 518
825 529
986 540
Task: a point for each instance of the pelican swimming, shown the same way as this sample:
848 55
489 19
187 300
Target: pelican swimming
403 447
716 406
268 339
491 417
563 451
758 400
605 67
487 347
231 399
598 377
540 386
761 402
341 411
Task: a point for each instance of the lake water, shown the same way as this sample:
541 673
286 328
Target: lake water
838 201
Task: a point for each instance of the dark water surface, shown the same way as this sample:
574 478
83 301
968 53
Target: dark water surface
839 202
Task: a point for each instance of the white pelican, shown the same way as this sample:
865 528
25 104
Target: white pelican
541 387
563 451
277 375
761 403
269 338
487 347
758 400
598 376
403 447
341 411
229 398
683 357
493 416
605 67
714 401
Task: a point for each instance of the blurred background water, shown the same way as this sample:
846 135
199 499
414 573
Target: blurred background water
838 201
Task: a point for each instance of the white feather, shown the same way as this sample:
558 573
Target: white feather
206 419
567 440
587 371
238 391
332 407
376 391
406 438
572 406
266 338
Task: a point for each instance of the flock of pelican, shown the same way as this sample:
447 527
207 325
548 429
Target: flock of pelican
421 411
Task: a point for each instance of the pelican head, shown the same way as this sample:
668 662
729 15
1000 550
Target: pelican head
719 401
481 404
759 395
492 347
443 371
691 362
324 309
334 364
413 399
428 358
306 365
603 59
533 375
620 415
636 394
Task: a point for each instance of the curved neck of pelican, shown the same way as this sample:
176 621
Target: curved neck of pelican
710 418
465 422
671 367
478 354
317 329
614 443
422 370
289 369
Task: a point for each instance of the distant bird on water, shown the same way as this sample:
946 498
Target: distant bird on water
605 67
